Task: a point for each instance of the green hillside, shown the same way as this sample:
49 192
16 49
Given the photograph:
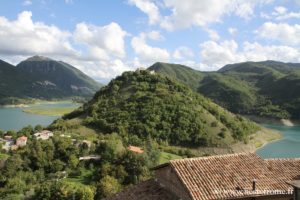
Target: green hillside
139 105
268 88
43 78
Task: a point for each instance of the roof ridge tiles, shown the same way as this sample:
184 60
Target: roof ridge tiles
213 157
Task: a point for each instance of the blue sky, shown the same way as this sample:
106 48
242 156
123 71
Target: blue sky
105 38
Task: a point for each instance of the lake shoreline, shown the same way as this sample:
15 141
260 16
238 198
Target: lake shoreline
256 141
42 113
38 102
273 121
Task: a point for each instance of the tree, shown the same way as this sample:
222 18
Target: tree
38 128
107 186
27 131
2 133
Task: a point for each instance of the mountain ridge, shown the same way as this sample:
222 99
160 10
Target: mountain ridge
43 78
267 88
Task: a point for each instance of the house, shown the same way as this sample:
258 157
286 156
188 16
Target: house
152 72
21 141
139 69
7 144
90 157
233 176
43 135
135 149
296 186
7 137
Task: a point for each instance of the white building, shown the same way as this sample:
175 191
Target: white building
43 135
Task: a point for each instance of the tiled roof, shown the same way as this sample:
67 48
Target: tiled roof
230 176
285 169
135 149
147 190
221 177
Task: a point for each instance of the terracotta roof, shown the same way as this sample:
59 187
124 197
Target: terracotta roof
228 176
147 190
285 169
135 149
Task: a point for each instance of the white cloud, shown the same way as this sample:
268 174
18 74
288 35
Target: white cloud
27 3
280 10
257 52
102 41
147 53
101 70
23 36
183 53
192 13
232 31
215 55
99 49
149 8
213 35
69 1
281 13
285 33
155 35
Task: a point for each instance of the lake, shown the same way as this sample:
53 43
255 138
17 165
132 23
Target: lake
287 147
15 118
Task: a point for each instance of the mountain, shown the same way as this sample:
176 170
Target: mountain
269 88
44 78
140 105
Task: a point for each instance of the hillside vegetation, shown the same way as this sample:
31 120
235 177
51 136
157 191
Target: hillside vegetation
268 89
43 78
139 105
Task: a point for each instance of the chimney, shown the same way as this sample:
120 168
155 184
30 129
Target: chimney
254 185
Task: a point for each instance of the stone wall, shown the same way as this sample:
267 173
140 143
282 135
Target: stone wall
167 177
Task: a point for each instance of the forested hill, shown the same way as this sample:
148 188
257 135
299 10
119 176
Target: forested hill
142 105
43 78
269 88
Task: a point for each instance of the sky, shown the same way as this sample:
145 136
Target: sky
104 38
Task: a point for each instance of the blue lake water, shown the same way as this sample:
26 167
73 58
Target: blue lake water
287 147
15 118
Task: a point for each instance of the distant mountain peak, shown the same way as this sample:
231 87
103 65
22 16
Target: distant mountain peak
38 58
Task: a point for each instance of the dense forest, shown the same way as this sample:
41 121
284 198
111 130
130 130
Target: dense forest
268 89
52 169
142 105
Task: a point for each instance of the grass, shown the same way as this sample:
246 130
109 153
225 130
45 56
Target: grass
266 136
49 111
3 156
83 179
166 157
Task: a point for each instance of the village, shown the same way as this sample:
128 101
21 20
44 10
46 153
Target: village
10 144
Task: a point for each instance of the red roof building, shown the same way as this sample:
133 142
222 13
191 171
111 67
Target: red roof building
232 176
21 141
135 149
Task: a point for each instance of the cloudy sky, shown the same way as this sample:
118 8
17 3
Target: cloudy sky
103 38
